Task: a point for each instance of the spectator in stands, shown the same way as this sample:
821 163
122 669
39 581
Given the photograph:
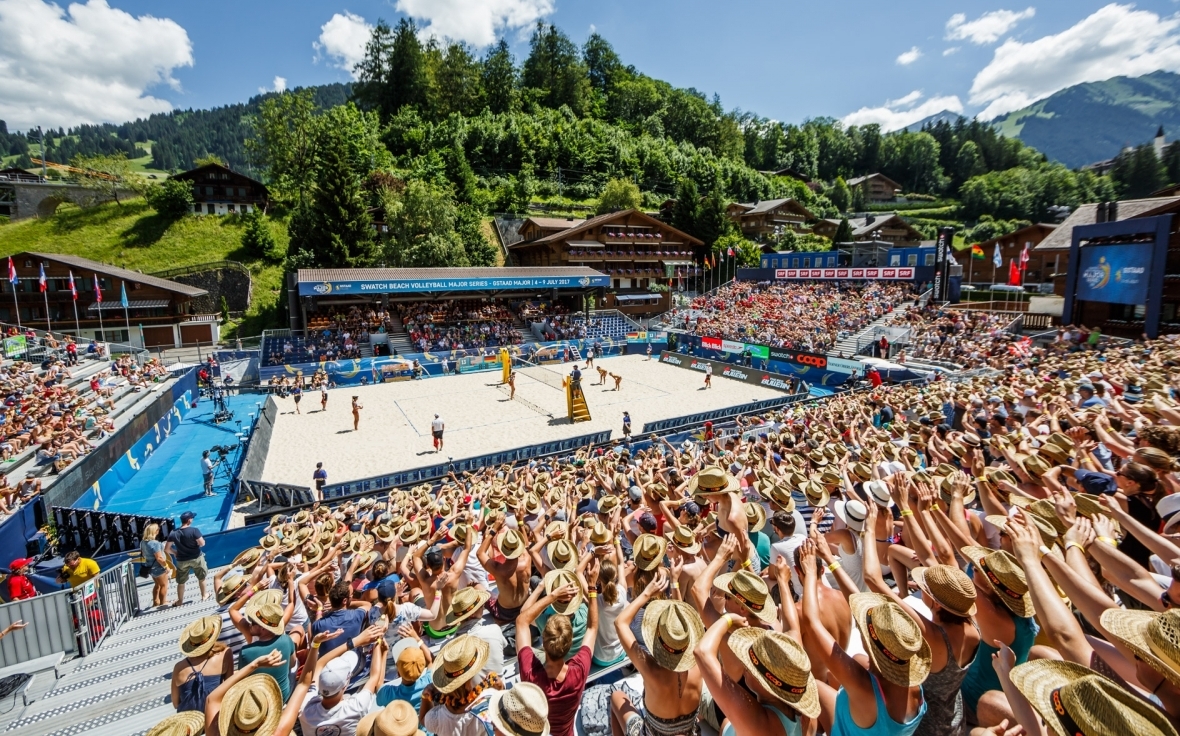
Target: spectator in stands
345 614
455 686
326 707
152 550
562 678
412 659
207 663
19 585
14 626
77 570
186 546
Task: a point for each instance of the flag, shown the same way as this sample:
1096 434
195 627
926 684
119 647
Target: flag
730 252
997 259
73 288
977 252
123 295
41 278
1021 348
1013 273
97 291
12 279
1024 258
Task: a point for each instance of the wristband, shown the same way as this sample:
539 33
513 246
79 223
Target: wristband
315 645
728 621
906 512
676 585
1044 550
1072 543
591 595
835 566
936 506
746 563
1109 541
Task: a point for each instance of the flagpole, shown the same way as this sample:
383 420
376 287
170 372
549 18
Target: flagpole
45 293
98 308
123 301
74 297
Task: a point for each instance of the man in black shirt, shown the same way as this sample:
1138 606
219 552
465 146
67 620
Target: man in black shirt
185 545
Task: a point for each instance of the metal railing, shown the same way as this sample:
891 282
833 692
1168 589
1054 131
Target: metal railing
50 630
100 606
202 267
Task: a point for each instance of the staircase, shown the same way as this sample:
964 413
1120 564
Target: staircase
579 412
847 346
398 338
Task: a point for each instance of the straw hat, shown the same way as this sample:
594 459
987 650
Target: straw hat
252 707
878 491
200 636
562 554
750 591
464 604
1089 505
247 558
684 540
460 659
712 479
607 504
1074 700
511 545
267 614
1048 534
302 534
755 516
184 723
557 579
892 640
817 495
1035 465
780 664
1154 637
269 542
556 529
780 497
948 585
313 553
383 532
230 587
410 534
671 632
995 475
945 491
1005 576
861 471
853 513
600 534
830 477
817 458
521 711
649 551
396 719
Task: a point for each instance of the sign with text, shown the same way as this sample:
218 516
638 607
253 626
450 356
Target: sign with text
15 346
729 370
799 357
843 365
398 286
1115 274
732 346
942 258
846 274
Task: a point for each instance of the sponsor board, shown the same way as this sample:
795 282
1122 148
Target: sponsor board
840 274
843 365
728 370
798 357
324 288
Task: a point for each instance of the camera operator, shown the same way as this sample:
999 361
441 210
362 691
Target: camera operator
207 466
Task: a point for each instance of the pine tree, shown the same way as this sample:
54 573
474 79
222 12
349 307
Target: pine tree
840 194
499 79
843 232
257 239
687 207
338 232
712 221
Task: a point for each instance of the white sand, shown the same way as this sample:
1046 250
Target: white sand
394 430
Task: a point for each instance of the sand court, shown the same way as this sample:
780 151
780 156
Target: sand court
394 431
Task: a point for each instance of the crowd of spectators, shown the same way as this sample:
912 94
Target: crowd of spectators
805 316
994 555
459 324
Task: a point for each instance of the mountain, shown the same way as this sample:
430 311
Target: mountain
1093 121
938 117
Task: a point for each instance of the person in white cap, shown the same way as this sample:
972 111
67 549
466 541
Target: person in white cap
326 707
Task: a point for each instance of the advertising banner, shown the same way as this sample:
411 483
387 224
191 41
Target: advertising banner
1115 274
799 357
732 346
646 337
847 274
15 346
401 286
728 370
942 257
843 365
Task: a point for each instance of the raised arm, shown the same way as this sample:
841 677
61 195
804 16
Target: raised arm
1122 571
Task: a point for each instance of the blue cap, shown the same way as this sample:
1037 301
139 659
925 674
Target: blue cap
1099 484
187 516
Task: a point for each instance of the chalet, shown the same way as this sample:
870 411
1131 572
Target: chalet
539 227
218 190
634 249
876 187
759 220
888 227
159 312
1039 270
1120 319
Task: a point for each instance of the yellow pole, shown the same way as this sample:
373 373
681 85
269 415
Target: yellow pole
505 364
569 398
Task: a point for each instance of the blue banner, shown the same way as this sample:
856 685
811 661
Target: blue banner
400 286
1115 274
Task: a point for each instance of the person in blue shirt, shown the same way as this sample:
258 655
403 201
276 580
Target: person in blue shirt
413 660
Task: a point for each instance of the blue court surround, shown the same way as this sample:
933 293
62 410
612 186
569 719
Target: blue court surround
169 481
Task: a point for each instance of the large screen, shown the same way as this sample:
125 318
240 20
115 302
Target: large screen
1116 274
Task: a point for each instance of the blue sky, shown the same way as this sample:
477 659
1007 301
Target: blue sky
891 63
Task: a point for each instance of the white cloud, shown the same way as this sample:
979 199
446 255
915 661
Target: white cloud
987 28
1115 40
85 64
342 39
477 22
951 50
279 85
899 113
909 57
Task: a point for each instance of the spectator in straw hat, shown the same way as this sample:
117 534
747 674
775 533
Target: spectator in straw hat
207 662
522 711
185 723
396 719
455 686
511 574
266 624
885 698
248 703
671 630
562 676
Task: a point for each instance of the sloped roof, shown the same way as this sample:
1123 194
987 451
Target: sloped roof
119 273
192 174
861 179
769 205
1018 234
861 225
603 219
554 223
1087 214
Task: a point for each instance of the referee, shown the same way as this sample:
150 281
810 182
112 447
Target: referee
436 429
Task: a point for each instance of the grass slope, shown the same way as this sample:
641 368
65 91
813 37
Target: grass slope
134 236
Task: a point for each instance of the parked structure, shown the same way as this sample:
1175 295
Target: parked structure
887 227
876 187
760 220
218 190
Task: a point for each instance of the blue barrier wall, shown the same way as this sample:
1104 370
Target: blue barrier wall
709 416
691 345
370 370
16 531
